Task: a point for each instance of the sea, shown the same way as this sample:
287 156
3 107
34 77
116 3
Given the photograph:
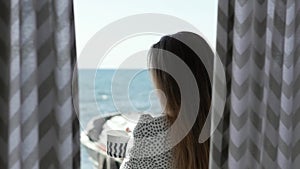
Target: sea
105 92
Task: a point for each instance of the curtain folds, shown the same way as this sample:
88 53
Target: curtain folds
39 128
259 44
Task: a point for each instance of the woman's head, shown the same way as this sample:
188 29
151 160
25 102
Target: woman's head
188 153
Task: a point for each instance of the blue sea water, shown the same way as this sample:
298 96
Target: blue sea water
101 90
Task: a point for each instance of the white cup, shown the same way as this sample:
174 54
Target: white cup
117 141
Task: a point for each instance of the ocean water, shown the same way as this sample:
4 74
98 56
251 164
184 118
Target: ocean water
107 91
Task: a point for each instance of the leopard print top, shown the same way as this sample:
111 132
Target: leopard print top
150 148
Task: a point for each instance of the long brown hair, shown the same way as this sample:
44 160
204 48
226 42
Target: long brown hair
188 153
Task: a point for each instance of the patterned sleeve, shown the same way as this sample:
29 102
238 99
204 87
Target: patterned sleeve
146 152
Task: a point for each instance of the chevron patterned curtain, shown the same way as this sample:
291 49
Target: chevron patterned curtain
259 44
38 124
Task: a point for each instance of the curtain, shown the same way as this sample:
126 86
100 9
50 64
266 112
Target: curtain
39 128
259 44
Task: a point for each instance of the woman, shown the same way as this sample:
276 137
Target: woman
188 153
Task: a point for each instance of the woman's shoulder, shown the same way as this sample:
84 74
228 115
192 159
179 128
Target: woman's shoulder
151 126
148 119
149 148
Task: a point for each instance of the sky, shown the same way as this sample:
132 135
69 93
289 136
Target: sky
92 16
